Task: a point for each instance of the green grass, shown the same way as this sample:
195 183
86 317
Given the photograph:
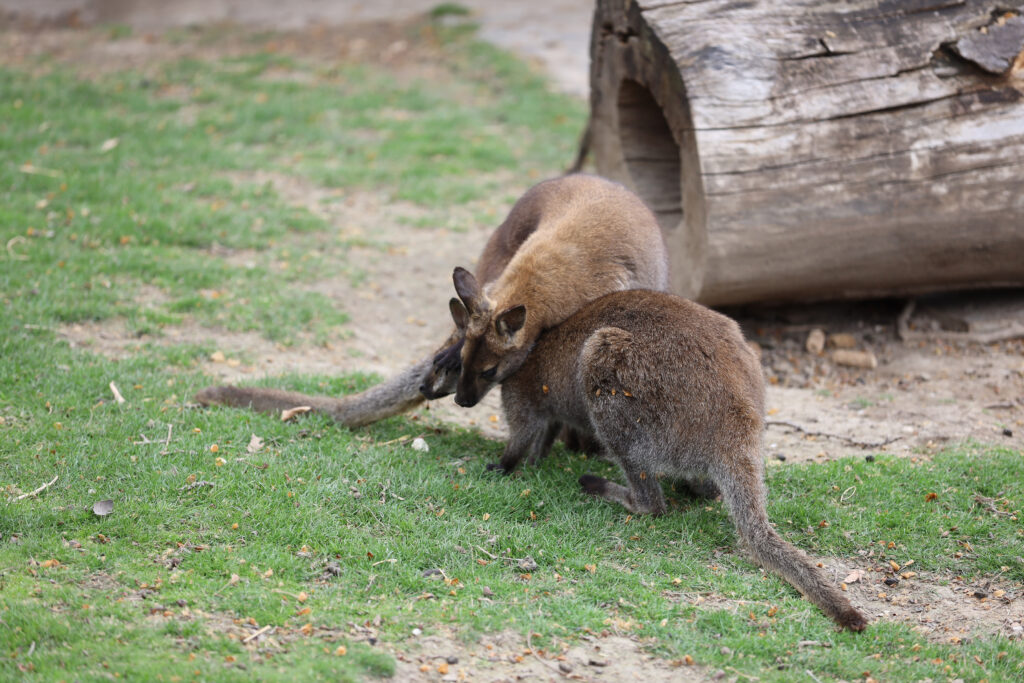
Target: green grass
154 589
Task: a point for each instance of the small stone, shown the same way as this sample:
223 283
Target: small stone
855 359
891 581
420 444
417 632
780 456
815 341
565 667
1007 431
842 340
452 659
869 458
527 564
980 594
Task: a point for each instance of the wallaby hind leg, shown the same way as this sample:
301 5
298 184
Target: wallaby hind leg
700 488
642 496
742 488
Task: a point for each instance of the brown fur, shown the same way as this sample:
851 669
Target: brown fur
670 389
597 238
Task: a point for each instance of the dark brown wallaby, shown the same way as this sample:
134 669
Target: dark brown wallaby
599 238
435 376
670 389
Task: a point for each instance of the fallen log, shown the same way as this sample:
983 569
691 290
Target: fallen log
812 149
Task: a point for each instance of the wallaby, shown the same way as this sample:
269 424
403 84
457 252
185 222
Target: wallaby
601 239
432 377
668 388
436 375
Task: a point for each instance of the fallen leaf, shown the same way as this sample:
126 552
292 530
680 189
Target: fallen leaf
854 576
292 412
303 596
102 508
341 651
306 629
214 448
46 564
218 357
233 581
109 145
255 444
592 568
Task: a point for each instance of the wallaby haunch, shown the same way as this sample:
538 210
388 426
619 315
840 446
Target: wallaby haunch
578 210
670 389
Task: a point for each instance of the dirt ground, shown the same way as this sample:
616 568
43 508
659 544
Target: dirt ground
927 393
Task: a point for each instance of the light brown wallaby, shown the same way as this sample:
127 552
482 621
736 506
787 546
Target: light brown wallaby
599 238
669 389
436 375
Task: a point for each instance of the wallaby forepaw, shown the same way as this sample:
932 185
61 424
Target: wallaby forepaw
594 485
496 467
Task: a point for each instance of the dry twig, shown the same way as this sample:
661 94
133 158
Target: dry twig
1012 330
850 440
544 661
253 636
37 491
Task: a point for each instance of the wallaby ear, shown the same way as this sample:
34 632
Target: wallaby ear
459 314
510 321
466 287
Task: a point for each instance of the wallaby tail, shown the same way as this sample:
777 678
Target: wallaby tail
392 397
773 552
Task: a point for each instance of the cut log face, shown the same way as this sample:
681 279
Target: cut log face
808 149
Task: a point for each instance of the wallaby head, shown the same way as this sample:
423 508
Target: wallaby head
494 346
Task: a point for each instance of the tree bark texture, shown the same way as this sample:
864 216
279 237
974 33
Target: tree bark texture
812 149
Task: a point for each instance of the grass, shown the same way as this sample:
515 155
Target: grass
325 527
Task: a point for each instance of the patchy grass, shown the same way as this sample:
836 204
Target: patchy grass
328 534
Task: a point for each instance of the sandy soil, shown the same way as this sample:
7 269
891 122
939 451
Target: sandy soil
922 396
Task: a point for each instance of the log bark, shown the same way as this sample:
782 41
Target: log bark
810 149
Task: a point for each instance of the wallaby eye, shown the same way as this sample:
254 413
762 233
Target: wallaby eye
489 373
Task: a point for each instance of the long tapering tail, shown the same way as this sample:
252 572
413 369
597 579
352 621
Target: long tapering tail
392 397
773 552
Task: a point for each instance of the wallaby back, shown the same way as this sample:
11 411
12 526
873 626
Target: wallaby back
669 389
594 237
